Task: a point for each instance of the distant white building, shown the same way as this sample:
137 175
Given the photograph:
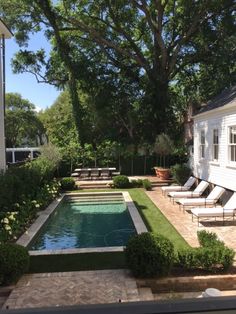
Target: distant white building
5 33
215 140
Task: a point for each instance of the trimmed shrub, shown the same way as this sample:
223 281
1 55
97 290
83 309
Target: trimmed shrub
68 184
147 184
121 182
149 254
14 262
208 239
136 183
212 256
214 259
180 173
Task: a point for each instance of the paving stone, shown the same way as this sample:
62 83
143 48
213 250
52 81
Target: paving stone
182 221
58 289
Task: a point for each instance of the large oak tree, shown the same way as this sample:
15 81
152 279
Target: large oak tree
151 43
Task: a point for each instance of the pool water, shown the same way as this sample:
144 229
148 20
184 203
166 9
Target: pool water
85 225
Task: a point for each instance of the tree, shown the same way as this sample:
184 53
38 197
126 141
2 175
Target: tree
21 123
151 42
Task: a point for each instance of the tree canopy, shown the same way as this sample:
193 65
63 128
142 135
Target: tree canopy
22 125
135 59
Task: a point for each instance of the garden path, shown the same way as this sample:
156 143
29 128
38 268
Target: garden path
72 288
182 221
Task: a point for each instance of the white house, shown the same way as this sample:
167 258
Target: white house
215 140
5 33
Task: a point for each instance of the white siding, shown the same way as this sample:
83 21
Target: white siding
221 172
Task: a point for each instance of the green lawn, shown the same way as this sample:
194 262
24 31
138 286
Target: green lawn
152 216
155 220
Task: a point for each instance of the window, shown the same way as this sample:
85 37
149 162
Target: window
215 144
202 144
232 144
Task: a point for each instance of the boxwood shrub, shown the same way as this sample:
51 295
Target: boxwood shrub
180 173
149 254
147 185
14 262
121 182
68 184
212 256
214 259
208 239
136 183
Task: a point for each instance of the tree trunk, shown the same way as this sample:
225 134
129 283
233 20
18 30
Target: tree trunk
155 109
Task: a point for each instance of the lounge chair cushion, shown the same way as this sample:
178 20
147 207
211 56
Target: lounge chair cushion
196 201
227 210
212 212
197 192
184 187
212 198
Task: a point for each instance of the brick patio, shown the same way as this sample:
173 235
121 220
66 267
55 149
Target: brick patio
182 221
71 288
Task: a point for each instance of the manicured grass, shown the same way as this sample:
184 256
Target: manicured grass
155 220
152 216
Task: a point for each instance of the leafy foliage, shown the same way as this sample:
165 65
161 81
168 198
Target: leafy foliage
23 126
136 183
121 182
14 262
208 239
220 258
23 191
68 184
147 184
130 58
149 254
212 256
180 173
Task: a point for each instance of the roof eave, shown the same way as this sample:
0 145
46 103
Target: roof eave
4 30
232 104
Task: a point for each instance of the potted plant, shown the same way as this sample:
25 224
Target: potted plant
163 146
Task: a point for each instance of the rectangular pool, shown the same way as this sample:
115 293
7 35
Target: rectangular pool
86 222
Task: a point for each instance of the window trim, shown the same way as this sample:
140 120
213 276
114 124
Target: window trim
202 145
229 145
215 145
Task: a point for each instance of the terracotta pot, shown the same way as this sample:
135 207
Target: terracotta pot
162 173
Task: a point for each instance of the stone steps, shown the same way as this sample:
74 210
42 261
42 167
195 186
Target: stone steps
94 186
145 294
97 196
4 294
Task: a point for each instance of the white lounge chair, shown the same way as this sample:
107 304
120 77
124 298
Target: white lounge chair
213 212
174 188
196 193
211 199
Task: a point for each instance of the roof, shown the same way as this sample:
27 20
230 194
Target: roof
4 30
223 99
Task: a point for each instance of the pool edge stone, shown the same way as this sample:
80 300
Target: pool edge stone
31 232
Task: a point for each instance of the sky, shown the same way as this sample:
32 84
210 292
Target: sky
40 94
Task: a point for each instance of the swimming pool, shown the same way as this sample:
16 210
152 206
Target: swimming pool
101 220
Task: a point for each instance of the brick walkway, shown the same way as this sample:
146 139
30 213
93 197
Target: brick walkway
182 221
71 288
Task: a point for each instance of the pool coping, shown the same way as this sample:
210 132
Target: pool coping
44 215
